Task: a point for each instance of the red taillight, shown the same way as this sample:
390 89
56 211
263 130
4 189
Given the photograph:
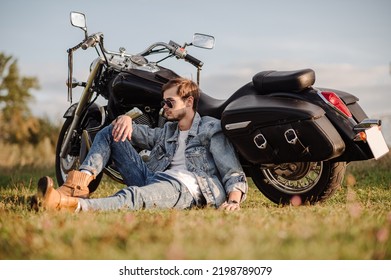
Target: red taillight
336 102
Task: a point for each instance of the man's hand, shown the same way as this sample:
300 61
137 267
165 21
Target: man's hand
122 128
233 201
230 206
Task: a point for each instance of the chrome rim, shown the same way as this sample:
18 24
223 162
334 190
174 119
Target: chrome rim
69 162
294 178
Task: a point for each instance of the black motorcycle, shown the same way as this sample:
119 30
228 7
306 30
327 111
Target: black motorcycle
293 139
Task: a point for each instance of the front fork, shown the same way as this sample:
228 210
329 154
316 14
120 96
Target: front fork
84 100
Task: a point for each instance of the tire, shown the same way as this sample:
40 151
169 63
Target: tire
300 182
72 158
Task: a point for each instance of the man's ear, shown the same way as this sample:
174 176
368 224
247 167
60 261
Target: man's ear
190 101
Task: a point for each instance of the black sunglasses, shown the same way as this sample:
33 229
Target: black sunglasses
167 102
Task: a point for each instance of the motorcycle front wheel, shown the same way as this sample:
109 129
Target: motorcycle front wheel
72 160
299 182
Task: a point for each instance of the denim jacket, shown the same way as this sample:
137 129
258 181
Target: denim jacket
209 155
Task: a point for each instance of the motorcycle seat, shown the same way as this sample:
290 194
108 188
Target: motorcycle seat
210 106
262 83
283 81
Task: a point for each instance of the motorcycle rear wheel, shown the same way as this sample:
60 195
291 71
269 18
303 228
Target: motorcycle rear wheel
300 182
72 158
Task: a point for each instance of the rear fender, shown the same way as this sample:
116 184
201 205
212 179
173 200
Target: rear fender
351 102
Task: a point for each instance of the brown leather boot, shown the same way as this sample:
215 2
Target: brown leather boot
76 184
53 199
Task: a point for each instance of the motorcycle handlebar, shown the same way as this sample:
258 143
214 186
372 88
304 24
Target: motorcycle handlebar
91 41
177 51
88 43
193 60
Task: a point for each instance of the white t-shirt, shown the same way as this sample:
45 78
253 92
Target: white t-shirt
178 170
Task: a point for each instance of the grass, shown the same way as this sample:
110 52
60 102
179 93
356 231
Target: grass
354 224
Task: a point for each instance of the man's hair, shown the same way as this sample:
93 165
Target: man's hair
186 88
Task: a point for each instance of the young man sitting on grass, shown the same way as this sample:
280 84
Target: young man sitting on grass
191 163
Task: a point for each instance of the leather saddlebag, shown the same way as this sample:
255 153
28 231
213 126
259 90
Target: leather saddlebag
268 129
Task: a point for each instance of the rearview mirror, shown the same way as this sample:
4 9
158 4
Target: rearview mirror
203 41
78 20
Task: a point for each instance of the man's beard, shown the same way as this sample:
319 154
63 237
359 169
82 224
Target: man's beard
177 117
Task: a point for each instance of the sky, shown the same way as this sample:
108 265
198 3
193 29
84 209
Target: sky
346 42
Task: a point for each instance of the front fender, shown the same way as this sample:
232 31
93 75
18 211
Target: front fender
70 112
93 117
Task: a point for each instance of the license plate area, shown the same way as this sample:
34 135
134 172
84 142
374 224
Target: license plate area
376 142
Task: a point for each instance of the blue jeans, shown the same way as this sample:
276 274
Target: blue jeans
146 189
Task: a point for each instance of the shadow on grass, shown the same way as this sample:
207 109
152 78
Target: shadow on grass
18 202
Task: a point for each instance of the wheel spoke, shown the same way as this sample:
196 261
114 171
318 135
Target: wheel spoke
294 178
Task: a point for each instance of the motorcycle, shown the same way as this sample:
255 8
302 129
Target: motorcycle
293 139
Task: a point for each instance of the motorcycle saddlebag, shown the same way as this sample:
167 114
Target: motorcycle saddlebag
268 129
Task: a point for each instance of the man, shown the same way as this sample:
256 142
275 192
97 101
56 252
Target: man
191 163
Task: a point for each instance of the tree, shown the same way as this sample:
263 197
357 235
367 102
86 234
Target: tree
17 125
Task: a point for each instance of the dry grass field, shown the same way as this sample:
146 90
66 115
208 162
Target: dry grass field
355 224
